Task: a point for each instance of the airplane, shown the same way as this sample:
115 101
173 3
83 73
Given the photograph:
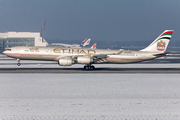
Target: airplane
83 44
94 45
89 56
86 42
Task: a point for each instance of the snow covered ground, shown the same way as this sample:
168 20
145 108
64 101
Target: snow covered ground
90 96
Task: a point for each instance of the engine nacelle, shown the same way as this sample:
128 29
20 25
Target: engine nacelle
84 60
66 62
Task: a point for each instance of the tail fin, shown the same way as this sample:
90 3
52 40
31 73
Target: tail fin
160 43
94 45
87 42
83 42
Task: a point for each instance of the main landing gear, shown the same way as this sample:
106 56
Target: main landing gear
18 64
89 67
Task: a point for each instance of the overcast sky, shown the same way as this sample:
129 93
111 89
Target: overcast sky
109 20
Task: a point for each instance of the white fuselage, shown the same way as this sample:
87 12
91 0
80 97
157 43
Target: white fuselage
54 54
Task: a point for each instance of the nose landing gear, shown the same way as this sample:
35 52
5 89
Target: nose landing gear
89 67
18 64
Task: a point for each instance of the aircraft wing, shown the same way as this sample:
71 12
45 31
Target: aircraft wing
98 58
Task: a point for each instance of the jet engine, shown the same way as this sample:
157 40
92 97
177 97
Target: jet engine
84 60
66 61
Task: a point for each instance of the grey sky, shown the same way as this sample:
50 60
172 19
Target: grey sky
109 20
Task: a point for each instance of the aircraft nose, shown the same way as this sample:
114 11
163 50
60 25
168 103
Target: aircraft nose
4 52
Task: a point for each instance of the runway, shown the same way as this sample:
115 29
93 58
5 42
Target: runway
96 71
8 65
170 64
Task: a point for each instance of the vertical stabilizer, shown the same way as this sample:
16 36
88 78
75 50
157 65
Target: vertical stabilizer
87 42
160 43
94 45
83 42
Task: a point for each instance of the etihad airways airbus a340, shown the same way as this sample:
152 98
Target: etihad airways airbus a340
88 56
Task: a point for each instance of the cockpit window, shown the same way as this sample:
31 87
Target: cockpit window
7 49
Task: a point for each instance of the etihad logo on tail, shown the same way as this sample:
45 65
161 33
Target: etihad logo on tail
161 45
166 35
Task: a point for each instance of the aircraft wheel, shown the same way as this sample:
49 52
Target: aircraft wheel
89 67
18 64
84 67
92 67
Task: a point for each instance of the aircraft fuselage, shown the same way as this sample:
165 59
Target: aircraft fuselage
54 54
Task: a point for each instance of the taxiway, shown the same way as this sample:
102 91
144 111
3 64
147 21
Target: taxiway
96 71
170 64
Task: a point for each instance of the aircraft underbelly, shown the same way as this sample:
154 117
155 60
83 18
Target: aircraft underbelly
33 57
124 60
36 58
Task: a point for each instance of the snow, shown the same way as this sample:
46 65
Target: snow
89 96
